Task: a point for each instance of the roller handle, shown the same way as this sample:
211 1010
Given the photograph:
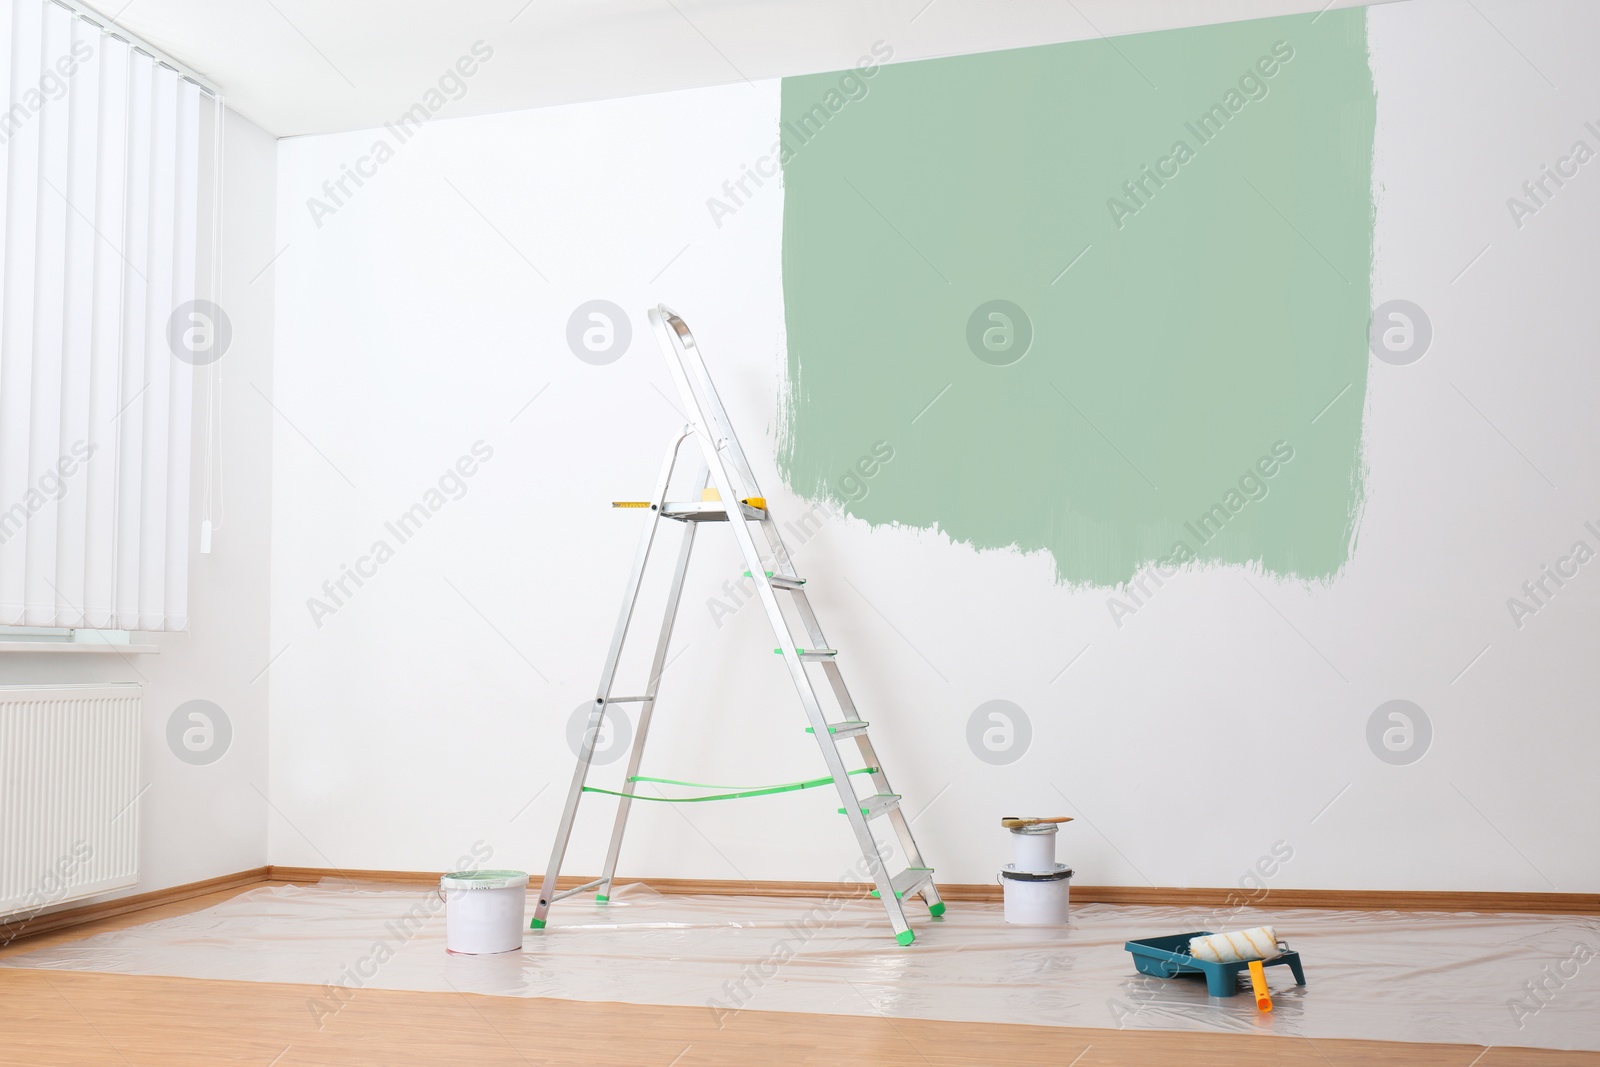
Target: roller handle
1258 982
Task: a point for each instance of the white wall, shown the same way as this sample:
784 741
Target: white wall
198 822
375 59
429 710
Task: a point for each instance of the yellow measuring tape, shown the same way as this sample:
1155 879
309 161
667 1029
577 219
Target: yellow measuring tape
759 502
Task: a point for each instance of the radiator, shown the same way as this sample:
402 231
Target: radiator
69 776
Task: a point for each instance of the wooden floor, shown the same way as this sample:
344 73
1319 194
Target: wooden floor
67 1018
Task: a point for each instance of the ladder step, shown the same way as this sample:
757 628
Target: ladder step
627 700
811 654
881 804
843 730
909 881
781 581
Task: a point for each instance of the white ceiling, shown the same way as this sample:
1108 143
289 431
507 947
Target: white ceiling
317 66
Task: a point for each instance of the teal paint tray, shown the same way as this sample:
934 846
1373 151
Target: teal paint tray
1167 957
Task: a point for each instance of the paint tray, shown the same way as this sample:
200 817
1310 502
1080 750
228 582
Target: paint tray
1167 957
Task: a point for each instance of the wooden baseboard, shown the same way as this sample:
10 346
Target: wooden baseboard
1351 899
1355 899
1347 899
15 929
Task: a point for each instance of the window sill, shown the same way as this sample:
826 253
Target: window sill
100 647
61 640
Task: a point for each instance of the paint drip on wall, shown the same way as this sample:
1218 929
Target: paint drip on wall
1106 299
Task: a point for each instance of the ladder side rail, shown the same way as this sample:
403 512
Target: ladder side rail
681 348
908 844
782 562
870 852
879 778
580 773
881 876
808 618
701 376
841 692
880 783
635 578
647 706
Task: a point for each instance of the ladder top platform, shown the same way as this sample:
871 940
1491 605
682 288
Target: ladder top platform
706 511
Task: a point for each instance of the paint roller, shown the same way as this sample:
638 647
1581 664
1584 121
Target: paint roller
1257 943
1242 946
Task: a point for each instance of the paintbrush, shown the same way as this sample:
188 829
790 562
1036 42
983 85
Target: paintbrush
1011 822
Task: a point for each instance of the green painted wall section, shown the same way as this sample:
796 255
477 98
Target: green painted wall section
1182 220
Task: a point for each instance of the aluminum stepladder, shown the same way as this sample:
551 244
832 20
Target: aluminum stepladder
722 463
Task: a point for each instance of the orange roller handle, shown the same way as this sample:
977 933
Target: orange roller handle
1258 982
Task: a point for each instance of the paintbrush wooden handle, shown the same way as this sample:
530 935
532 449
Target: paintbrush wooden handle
1011 822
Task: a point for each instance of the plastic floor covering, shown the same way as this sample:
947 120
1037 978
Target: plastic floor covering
1503 980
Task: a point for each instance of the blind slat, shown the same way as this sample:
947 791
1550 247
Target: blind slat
133 384
158 360
82 194
16 331
99 477
49 311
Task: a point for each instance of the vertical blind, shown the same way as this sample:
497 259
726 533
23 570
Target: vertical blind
108 156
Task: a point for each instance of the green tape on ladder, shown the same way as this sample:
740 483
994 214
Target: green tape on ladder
741 791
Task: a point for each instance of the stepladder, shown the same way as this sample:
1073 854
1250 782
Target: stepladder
706 478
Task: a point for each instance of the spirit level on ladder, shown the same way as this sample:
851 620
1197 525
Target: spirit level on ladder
724 489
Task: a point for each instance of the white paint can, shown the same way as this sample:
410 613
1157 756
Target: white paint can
1033 848
1034 899
483 911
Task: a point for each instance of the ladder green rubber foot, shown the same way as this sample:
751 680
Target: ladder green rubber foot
905 937
537 924
936 910
601 898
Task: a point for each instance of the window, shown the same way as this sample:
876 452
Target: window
111 159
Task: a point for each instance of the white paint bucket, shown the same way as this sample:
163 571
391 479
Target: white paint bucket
1033 848
483 911
1036 899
